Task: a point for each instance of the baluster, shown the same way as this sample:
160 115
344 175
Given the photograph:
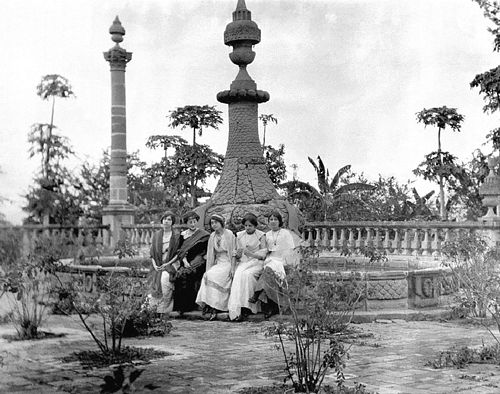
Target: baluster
309 236
149 236
306 234
143 236
396 242
377 243
426 243
351 243
406 242
359 240
343 240
436 242
317 238
26 242
369 238
326 237
415 244
335 242
387 240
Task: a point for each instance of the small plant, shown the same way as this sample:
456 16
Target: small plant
30 280
319 314
460 357
146 321
476 269
119 301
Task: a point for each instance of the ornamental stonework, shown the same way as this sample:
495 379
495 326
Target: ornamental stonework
392 289
118 57
242 31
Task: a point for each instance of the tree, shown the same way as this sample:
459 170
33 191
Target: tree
53 195
489 81
333 192
328 201
195 117
50 87
275 163
439 164
265 119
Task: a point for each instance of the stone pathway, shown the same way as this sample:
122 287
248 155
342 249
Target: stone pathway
222 357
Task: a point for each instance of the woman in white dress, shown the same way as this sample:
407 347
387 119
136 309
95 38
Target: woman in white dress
251 252
213 295
280 246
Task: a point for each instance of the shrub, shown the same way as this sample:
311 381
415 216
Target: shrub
476 269
319 312
30 280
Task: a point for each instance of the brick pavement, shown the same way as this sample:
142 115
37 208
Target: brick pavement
222 357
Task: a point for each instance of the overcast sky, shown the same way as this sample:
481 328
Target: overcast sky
346 77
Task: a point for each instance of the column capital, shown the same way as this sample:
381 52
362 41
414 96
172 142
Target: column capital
117 57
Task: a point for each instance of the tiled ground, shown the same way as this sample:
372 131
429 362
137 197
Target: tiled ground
221 357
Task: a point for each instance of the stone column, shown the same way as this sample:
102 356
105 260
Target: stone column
119 211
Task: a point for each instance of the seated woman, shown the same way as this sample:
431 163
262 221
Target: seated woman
280 246
163 248
216 283
250 251
188 264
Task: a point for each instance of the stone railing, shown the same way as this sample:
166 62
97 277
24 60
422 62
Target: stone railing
395 238
140 235
76 236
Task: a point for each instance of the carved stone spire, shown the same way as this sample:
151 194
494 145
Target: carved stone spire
244 186
244 177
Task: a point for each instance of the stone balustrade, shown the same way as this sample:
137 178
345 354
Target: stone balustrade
395 238
76 236
140 235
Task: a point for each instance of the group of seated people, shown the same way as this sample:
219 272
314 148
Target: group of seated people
220 272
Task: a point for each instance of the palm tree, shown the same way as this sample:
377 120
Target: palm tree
441 117
50 87
195 117
265 119
329 193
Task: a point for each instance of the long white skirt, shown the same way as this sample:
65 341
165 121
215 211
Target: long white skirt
215 286
244 282
165 304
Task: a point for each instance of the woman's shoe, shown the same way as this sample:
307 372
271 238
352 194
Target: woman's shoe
206 310
213 316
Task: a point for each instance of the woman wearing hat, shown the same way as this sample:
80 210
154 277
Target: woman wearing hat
213 295
163 248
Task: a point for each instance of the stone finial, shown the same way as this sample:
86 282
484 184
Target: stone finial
241 12
490 191
117 31
117 56
242 33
